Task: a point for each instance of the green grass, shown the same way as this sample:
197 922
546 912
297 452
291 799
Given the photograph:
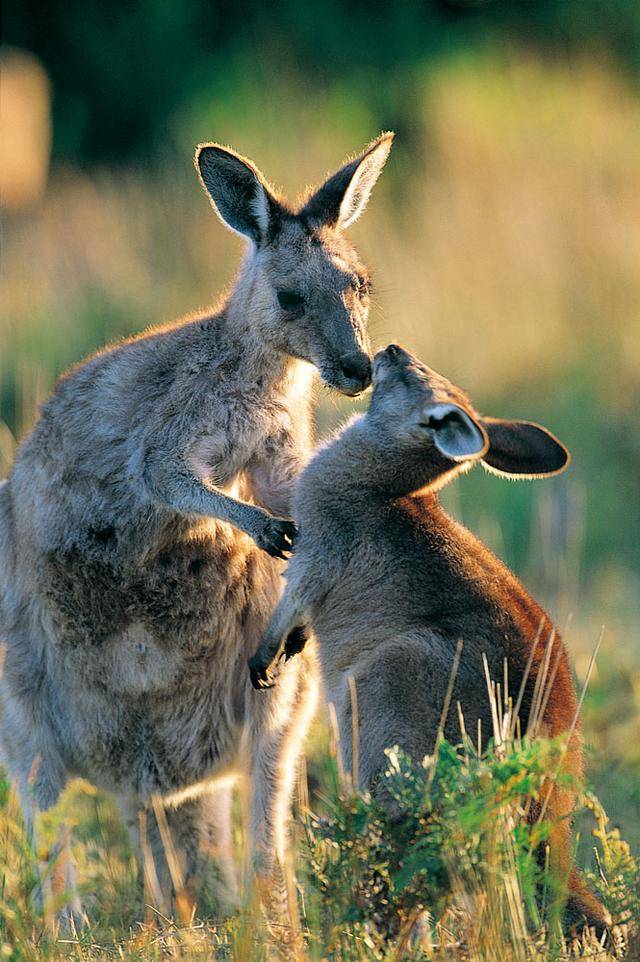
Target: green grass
451 872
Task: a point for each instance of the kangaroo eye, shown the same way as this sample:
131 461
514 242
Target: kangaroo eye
290 300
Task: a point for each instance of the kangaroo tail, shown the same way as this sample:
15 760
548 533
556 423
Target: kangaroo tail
584 907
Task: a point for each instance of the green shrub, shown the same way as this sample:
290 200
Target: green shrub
452 844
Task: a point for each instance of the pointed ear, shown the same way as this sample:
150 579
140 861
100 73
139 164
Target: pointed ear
238 192
343 197
522 449
455 433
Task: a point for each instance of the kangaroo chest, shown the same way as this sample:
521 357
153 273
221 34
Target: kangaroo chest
237 428
159 615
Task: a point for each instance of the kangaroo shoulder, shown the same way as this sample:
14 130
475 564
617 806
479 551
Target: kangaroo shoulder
5 527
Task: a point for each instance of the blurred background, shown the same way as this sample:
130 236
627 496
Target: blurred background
504 237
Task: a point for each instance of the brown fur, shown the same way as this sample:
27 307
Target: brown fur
389 583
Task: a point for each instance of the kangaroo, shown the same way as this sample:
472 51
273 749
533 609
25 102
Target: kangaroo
145 521
389 582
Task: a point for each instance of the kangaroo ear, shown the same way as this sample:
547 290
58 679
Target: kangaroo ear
343 197
237 190
522 449
455 433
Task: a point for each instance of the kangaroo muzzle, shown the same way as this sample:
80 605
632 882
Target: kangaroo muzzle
356 370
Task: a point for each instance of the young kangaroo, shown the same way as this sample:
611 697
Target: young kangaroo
133 584
389 582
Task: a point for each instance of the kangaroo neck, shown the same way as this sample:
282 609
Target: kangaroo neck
263 363
359 466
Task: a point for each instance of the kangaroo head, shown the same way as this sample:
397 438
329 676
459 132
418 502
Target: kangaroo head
420 410
308 290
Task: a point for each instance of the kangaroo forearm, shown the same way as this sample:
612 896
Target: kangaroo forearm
287 616
188 494
303 590
214 503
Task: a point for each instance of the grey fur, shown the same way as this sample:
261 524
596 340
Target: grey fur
132 584
389 583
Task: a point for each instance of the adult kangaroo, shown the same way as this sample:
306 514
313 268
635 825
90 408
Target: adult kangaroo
389 583
144 521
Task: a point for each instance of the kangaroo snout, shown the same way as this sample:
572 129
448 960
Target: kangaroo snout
391 355
356 369
394 350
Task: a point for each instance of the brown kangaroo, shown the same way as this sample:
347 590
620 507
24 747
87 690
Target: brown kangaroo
389 583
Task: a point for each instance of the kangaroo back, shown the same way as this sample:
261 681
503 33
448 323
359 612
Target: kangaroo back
6 547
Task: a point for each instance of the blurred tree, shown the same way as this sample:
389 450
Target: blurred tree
25 129
121 70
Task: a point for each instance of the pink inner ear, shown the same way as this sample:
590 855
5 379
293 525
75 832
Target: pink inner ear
455 433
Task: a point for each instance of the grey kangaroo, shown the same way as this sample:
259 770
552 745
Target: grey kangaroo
133 580
389 582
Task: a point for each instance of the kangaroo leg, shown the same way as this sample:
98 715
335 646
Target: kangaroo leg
56 894
173 842
273 773
167 843
583 907
216 832
63 883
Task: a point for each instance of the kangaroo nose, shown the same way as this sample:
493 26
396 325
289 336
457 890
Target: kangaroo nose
357 367
398 355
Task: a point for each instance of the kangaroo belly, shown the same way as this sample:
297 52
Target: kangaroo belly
150 656
148 744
